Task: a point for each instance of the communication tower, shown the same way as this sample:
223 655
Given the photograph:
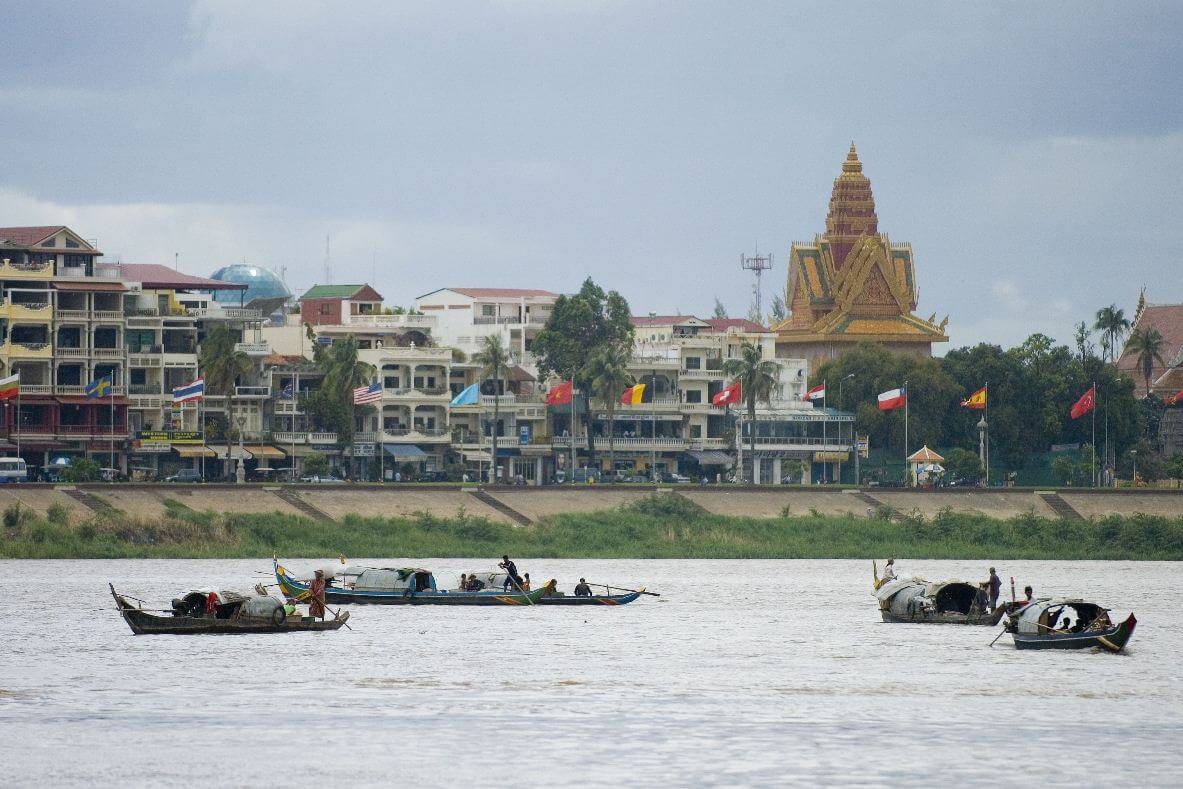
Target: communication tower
758 264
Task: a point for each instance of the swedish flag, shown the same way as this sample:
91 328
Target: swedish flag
100 387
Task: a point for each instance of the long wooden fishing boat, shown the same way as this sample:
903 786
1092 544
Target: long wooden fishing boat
595 599
1034 626
234 613
951 602
400 586
497 579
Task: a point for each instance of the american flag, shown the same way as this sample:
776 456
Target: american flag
364 395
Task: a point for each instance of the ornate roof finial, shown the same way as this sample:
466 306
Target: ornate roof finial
1141 305
852 164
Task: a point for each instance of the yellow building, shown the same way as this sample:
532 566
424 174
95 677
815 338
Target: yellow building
851 284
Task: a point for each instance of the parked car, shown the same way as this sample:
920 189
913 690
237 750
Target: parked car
433 476
185 475
673 479
321 479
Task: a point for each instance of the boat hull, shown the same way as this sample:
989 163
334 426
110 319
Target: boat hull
144 623
336 595
945 618
603 599
1112 639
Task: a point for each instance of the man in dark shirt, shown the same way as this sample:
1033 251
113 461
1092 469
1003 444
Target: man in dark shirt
511 574
582 589
995 584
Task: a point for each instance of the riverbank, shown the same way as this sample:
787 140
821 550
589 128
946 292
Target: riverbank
655 526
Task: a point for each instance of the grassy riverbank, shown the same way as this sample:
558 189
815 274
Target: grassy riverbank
657 527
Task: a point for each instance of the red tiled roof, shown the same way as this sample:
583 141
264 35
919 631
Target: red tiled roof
152 275
29 236
500 293
660 320
743 324
1168 320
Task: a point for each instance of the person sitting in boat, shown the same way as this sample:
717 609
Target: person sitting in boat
888 572
1029 595
463 582
582 589
1065 626
525 584
474 584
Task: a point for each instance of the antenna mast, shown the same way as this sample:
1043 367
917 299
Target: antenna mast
328 263
758 264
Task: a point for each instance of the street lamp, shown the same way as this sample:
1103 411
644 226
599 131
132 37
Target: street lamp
240 469
1134 479
853 444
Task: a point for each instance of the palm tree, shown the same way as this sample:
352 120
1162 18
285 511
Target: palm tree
1147 344
221 366
607 370
757 377
493 359
1112 323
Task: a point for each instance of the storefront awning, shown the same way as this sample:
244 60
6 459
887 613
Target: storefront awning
710 458
478 457
82 400
96 287
261 451
194 452
304 451
404 451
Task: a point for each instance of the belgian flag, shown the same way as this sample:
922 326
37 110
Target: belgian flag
636 394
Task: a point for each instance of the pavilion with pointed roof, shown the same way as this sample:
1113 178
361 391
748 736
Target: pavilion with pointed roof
851 284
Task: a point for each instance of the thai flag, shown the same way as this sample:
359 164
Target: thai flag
186 393
364 395
893 398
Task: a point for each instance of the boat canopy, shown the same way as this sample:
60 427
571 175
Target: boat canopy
907 596
1041 616
385 579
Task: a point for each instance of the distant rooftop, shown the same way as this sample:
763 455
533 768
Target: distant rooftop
155 276
335 291
29 236
662 320
743 324
495 293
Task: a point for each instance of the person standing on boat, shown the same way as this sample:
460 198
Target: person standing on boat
888 572
511 573
316 596
995 584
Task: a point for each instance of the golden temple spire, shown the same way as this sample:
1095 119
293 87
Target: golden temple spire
852 166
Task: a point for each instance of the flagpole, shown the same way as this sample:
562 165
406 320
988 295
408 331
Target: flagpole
824 393
201 427
572 430
1094 416
18 416
295 405
907 473
987 415
111 435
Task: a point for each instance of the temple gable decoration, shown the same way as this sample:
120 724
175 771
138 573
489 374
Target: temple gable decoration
851 284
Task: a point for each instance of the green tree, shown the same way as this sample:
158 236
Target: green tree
579 325
1113 324
607 372
778 309
494 360
720 310
757 377
82 470
222 366
316 465
1148 344
331 404
1084 341
963 464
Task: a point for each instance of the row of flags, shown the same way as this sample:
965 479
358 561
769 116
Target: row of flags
102 386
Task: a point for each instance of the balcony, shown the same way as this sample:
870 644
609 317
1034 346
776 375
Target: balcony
701 375
709 443
26 350
224 313
37 389
287 407
653 362
28 431
71 315
252 391
107 315
97 431
141 359
303 438
72 353
420 393
253 348
389 321
661 443
10 269
29 310
663 403
146 389
107 353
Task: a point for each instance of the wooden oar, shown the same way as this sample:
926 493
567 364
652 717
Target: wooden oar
622 589
336 614
518 586
1000 635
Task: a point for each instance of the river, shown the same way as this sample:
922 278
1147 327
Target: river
742 673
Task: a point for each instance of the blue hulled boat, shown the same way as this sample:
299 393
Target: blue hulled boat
399 586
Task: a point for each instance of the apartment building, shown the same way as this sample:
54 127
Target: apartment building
465 316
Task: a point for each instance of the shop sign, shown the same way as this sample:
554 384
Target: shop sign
173 436
864 446
150 446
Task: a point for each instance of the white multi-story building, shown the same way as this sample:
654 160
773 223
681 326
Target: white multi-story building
465 316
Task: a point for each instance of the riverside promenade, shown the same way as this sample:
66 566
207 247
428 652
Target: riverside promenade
523 505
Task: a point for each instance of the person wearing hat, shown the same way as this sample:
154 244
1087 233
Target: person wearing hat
994 583
316 595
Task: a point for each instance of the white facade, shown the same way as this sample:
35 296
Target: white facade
465 316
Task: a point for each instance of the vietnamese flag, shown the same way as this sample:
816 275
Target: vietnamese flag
1086 403
893 399
559 395
728 396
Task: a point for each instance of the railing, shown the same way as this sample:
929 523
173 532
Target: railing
390 321
107 353
142 360
713 375
665 401
237 313
37 389
71 315
78 272
107 315
72 353
709 443
252 391
287 407
145 389
28 265
91 430
490 320
637 442
66 389
142 312
31 429
26 348
809 441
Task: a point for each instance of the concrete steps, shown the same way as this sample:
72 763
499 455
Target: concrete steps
1059 506
299 503
501 507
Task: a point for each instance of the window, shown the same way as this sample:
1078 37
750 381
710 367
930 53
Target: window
390 382
71 243
696 431
326 309
76 260
693 395
488 310
693 363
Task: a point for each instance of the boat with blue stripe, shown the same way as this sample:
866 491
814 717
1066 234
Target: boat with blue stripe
399 586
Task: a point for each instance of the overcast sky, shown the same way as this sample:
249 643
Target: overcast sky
1031 152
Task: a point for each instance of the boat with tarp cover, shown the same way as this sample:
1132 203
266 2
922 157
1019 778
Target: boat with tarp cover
197 613
951 602
398 586
1068 623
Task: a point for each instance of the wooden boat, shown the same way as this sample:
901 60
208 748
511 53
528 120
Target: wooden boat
1033 626
399 586
495 579
937 602
235 613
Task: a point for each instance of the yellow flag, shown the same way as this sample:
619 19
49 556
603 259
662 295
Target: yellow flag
977 400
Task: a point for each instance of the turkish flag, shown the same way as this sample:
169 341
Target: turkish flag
728 396
559 395
1086 403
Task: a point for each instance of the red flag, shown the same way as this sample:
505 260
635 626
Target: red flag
1177 397
816 393
728 396
1086 403
559 395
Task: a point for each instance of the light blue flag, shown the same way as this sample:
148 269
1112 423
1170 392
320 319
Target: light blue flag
470 396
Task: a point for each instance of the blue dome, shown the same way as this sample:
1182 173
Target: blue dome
261 284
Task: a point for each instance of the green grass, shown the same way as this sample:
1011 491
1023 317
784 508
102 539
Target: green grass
655 527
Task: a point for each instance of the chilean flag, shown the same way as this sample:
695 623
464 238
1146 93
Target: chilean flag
728 396
893 399
816 393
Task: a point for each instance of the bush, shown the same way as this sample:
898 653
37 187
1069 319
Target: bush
58 513
15 515
82 470
316 465
665 505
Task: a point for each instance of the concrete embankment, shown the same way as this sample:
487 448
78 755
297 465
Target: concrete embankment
523 505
